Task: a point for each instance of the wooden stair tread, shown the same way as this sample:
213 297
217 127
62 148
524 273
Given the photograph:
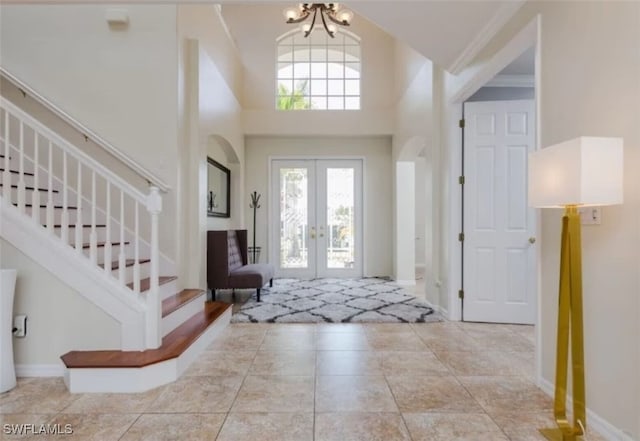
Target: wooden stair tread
102 244
16 172
129 262
44 206
74 225
145 284
175 302
173 344
29 187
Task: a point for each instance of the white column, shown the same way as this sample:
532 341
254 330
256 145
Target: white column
405 231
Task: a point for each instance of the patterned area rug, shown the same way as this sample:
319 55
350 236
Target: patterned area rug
371 300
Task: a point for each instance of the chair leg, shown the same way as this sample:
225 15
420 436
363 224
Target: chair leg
213 295
271 283
258 293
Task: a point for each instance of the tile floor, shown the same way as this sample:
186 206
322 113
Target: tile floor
269 382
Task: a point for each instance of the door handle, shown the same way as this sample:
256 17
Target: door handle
532 240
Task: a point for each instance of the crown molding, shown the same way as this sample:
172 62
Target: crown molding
501 17
512 81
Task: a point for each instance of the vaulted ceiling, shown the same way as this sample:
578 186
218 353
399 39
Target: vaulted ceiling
446 32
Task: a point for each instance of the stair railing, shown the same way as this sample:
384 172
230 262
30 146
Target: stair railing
97 193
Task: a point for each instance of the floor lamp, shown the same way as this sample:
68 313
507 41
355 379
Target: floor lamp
585 171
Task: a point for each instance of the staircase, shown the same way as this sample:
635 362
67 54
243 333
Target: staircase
99 234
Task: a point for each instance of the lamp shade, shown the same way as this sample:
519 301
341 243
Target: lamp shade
582 171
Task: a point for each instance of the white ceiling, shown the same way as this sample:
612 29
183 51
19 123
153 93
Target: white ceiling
439 30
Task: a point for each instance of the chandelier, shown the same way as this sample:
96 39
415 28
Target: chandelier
330 11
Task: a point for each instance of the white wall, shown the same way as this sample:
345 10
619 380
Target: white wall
419 203
376 152
69 54
405 238
589 74
59 319
414 135
210 125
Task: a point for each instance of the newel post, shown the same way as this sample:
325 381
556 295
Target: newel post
154 310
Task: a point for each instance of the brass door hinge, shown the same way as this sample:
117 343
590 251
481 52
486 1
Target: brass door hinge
461 294
461 123
461 180
461 237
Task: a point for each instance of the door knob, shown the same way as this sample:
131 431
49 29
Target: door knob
312 234
532 240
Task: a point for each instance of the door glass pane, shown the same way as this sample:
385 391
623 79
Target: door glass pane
293 218
340 218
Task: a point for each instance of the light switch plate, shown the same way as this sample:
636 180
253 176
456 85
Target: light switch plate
590 215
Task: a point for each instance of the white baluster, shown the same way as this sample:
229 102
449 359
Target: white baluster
49 192
154 310
21 185
121 260
64 232
136 252
35 196
107 241
93 237
79 229
6 174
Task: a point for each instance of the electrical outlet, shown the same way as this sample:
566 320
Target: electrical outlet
20 326
590 215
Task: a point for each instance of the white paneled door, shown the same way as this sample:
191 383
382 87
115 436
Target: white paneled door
499 228
316 218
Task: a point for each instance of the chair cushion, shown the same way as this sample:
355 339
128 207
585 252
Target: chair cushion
235 258
251 276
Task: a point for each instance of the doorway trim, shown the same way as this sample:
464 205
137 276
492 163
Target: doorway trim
271 240
528 36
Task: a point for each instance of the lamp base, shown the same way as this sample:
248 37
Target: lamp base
558 435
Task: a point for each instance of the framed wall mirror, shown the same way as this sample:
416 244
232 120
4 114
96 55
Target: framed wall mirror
218 189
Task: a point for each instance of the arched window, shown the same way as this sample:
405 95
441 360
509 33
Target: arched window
318 72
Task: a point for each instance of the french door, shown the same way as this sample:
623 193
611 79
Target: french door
316 218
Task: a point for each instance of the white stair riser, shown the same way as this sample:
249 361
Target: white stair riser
135 380
145 269
115 253
101 233
28 179
168 289
182 314
43 195
57 214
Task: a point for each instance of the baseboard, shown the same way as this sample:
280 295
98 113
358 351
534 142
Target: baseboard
594 421
39 370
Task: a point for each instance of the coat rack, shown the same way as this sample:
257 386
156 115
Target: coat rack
255 204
